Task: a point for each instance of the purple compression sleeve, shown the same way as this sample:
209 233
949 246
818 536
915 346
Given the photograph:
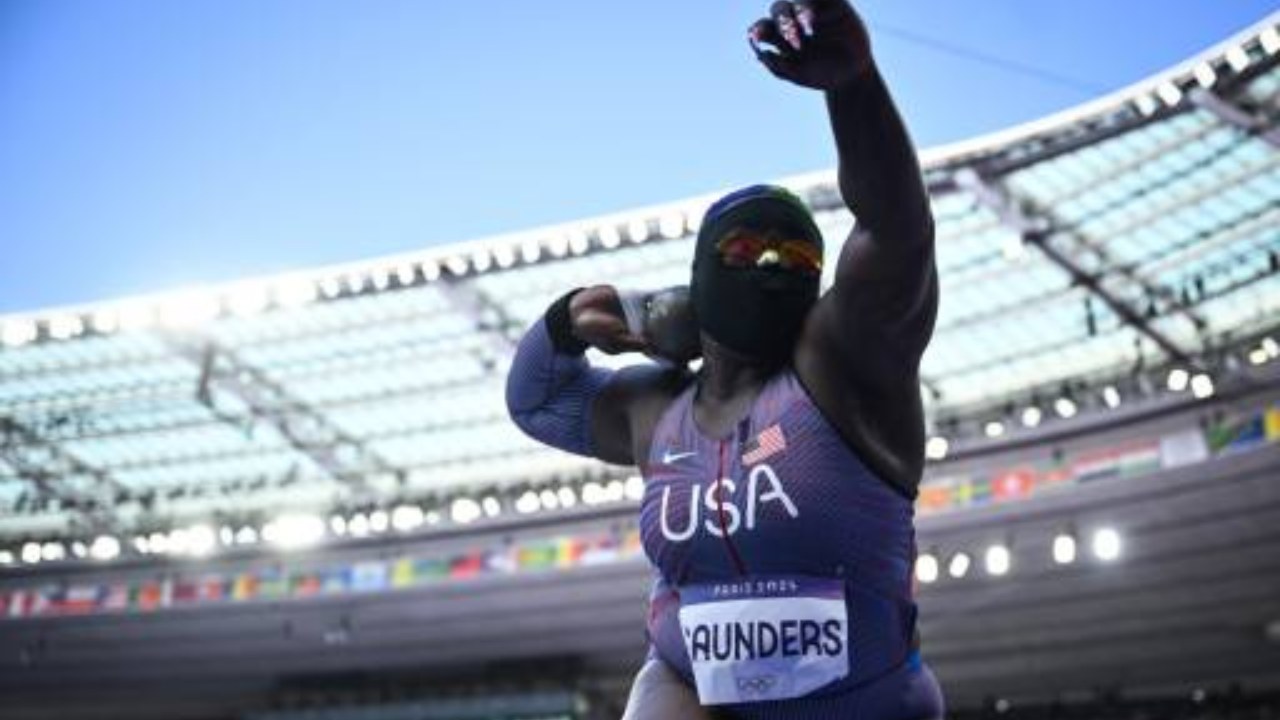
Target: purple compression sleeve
549 394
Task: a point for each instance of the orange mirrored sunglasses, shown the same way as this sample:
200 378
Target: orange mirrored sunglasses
747 249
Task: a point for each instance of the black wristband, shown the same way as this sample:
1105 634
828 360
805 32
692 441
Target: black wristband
560 326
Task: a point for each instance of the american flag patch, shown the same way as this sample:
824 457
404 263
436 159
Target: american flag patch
769 442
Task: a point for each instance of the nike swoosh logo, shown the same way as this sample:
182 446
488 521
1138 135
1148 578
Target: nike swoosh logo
669 457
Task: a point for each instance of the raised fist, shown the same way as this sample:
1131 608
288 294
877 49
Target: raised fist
820 44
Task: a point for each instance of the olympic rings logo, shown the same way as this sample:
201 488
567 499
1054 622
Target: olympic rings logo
758 685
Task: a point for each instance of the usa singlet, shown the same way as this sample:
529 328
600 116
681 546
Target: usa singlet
783 567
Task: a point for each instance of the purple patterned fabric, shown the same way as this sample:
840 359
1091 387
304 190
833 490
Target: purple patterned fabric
549 394
784 494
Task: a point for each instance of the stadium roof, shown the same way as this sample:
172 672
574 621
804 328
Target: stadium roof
1139 233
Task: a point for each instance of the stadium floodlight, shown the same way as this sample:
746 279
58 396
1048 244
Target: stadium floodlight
1146 104
457 265
226 536
610 237
528 503
959 565
637 230
405 273
1270 39
927 568
330 287
142 544
137 315
337 525
558 245
407 517
105 320
1064 548
481 260
672 225
1237 58
104 547
1170 93
31 553
1111 396
380 278
246 536
530 251
491 506
997 560
200 540
994 429
1065 407
568 498
6 557
79 549
1031 416
292 531
634 487
1106 544
504 256
53 551
1205 75
189 309
936 448
1270 347
615 491
63 327
464 510
17 333
1202 386
158 543
592 493
549 499
379 521
579 243
358 525
1177 380
431 271
294 291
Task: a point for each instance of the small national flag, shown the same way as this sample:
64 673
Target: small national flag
1271 423
304 585
934 496
117 598
186 591
466 566
1013 484
77 600
536 556
335 580
431 568
769 442
402 573
369 576
149 596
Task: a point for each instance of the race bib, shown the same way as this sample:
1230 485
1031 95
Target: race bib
765 638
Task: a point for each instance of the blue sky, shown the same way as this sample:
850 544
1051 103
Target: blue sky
150 145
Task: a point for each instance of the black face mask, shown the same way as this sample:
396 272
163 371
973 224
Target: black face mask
755 312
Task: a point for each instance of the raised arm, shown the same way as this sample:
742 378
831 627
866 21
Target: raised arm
861 345
884 280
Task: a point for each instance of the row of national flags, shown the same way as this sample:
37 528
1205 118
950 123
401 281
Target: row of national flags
278 582
1136 457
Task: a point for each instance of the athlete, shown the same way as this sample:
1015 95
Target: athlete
779 478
